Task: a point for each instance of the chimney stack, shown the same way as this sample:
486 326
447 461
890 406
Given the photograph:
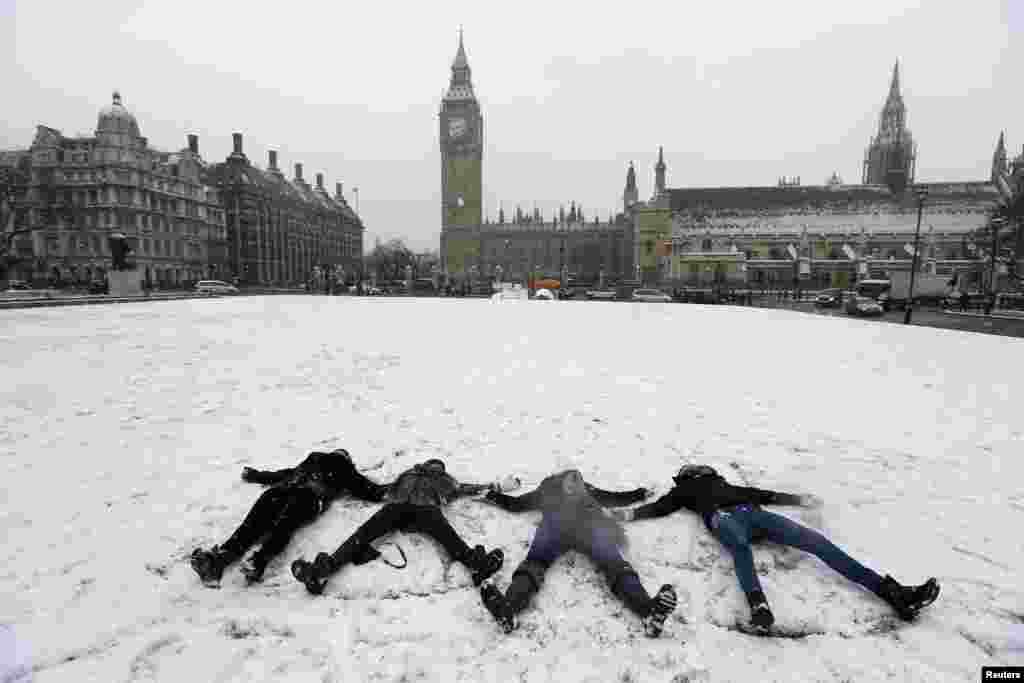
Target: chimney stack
193 144
337 191
319 181
298 171
272 154
237 138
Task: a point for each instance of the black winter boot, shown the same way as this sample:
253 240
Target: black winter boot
662 605
760 615
482 564
253 568
499 607
908 600
314 574
210 565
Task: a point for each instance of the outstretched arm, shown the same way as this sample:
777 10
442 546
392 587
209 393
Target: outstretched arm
265 477
666 505
509 483
364 488
766 497
617 498
527 501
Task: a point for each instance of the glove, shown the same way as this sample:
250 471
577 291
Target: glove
810 501
622 515
491 496
509 483
248 474
645 492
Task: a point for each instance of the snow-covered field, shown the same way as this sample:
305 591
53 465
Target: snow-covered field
124 429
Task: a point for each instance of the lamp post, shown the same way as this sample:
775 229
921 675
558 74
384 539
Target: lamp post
997 223
921 192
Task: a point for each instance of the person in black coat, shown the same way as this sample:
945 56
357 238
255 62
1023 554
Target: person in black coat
413 503
734 516
295 497
575 519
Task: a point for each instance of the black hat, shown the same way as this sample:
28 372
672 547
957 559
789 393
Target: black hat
343 453
687 472
434 464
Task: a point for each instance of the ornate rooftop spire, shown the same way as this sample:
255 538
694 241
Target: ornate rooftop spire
461 85
461 62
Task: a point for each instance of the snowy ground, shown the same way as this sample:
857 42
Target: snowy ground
123 431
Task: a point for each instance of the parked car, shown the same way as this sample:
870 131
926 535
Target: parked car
544 295
863 306
828 298
565 293
18 286
651 295
215 287
99 287
601 294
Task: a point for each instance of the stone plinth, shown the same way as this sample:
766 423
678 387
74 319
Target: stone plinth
125 282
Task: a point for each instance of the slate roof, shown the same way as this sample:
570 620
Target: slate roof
856 198
273 184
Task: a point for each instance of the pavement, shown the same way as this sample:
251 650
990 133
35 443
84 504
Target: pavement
1005 323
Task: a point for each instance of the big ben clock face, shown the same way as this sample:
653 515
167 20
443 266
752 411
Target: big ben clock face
457 128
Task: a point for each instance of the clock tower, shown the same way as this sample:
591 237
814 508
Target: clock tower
462 136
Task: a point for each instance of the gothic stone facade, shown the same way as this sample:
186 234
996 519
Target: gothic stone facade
821 236
282 231
472 249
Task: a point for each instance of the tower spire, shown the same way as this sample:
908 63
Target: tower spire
999 166
894 87
659 172
461 62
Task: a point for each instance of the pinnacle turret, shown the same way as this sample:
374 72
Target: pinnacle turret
894 87
891 157
659 172
461 85
999 165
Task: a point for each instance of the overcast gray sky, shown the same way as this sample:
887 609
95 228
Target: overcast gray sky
738 92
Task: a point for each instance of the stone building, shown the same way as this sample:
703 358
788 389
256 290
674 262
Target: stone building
826 235
80 190
186 219
891 157
284 231
525 246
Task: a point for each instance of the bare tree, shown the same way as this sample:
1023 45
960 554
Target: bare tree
10 226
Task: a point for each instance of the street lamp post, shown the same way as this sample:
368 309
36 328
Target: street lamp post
997 223
922 193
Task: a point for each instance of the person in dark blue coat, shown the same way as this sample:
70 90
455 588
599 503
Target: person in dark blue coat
734 516
575 519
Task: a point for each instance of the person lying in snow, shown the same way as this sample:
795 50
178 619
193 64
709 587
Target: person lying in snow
297 496
734 516
575 519
414 503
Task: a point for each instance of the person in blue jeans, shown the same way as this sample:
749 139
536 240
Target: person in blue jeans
575 519
734 516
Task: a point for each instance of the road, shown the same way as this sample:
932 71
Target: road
971 322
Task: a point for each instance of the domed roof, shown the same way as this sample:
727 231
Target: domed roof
115 118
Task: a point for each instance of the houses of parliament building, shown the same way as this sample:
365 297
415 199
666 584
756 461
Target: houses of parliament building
825 235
